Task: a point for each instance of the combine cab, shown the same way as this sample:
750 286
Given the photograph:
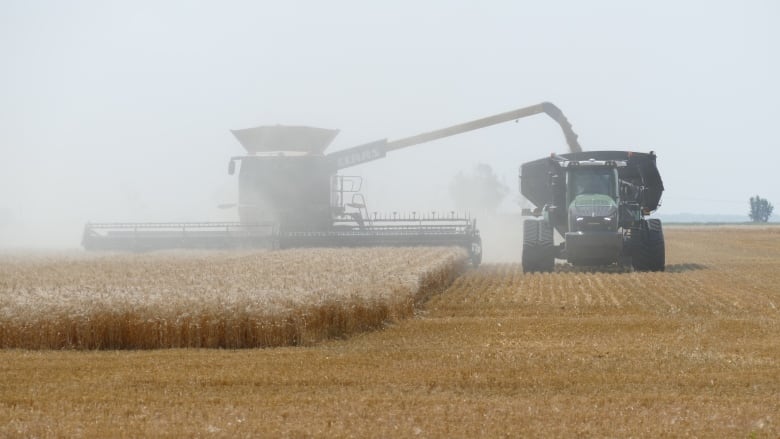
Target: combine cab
598 202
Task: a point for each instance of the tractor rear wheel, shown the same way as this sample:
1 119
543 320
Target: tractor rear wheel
538 246
649 253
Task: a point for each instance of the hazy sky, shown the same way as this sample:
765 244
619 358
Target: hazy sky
121 110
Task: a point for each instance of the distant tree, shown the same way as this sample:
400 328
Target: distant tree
479 190
760 209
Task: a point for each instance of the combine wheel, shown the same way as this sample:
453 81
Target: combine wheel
649 253
625 262
476 252
538 246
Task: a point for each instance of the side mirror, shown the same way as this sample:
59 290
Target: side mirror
231 167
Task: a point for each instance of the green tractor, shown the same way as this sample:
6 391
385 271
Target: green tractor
598 202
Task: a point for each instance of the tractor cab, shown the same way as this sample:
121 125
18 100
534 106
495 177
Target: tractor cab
592 195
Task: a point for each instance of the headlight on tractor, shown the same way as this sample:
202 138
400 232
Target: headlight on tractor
595 222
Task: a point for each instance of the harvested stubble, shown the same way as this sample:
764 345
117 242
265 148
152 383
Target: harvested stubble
214 300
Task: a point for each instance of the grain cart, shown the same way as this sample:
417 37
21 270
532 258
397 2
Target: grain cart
290 194
598 202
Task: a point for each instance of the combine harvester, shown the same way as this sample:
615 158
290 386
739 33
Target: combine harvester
291 195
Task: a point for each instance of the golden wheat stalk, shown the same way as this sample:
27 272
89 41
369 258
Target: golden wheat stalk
212 299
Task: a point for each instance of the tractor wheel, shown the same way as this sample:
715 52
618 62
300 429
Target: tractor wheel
649 253
538 246
530 246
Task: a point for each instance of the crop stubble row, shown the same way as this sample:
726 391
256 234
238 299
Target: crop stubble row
738 281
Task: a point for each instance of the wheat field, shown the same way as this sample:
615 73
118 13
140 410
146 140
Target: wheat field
690 352
212 299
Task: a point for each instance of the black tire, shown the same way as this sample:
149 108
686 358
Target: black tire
538 247
530 246
649 253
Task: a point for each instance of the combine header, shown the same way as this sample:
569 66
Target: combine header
291 195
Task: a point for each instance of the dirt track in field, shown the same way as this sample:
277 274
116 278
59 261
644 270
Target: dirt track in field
693 351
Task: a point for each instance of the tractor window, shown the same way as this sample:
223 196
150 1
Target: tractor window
592 181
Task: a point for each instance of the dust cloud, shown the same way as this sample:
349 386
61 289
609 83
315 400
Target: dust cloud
502 237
